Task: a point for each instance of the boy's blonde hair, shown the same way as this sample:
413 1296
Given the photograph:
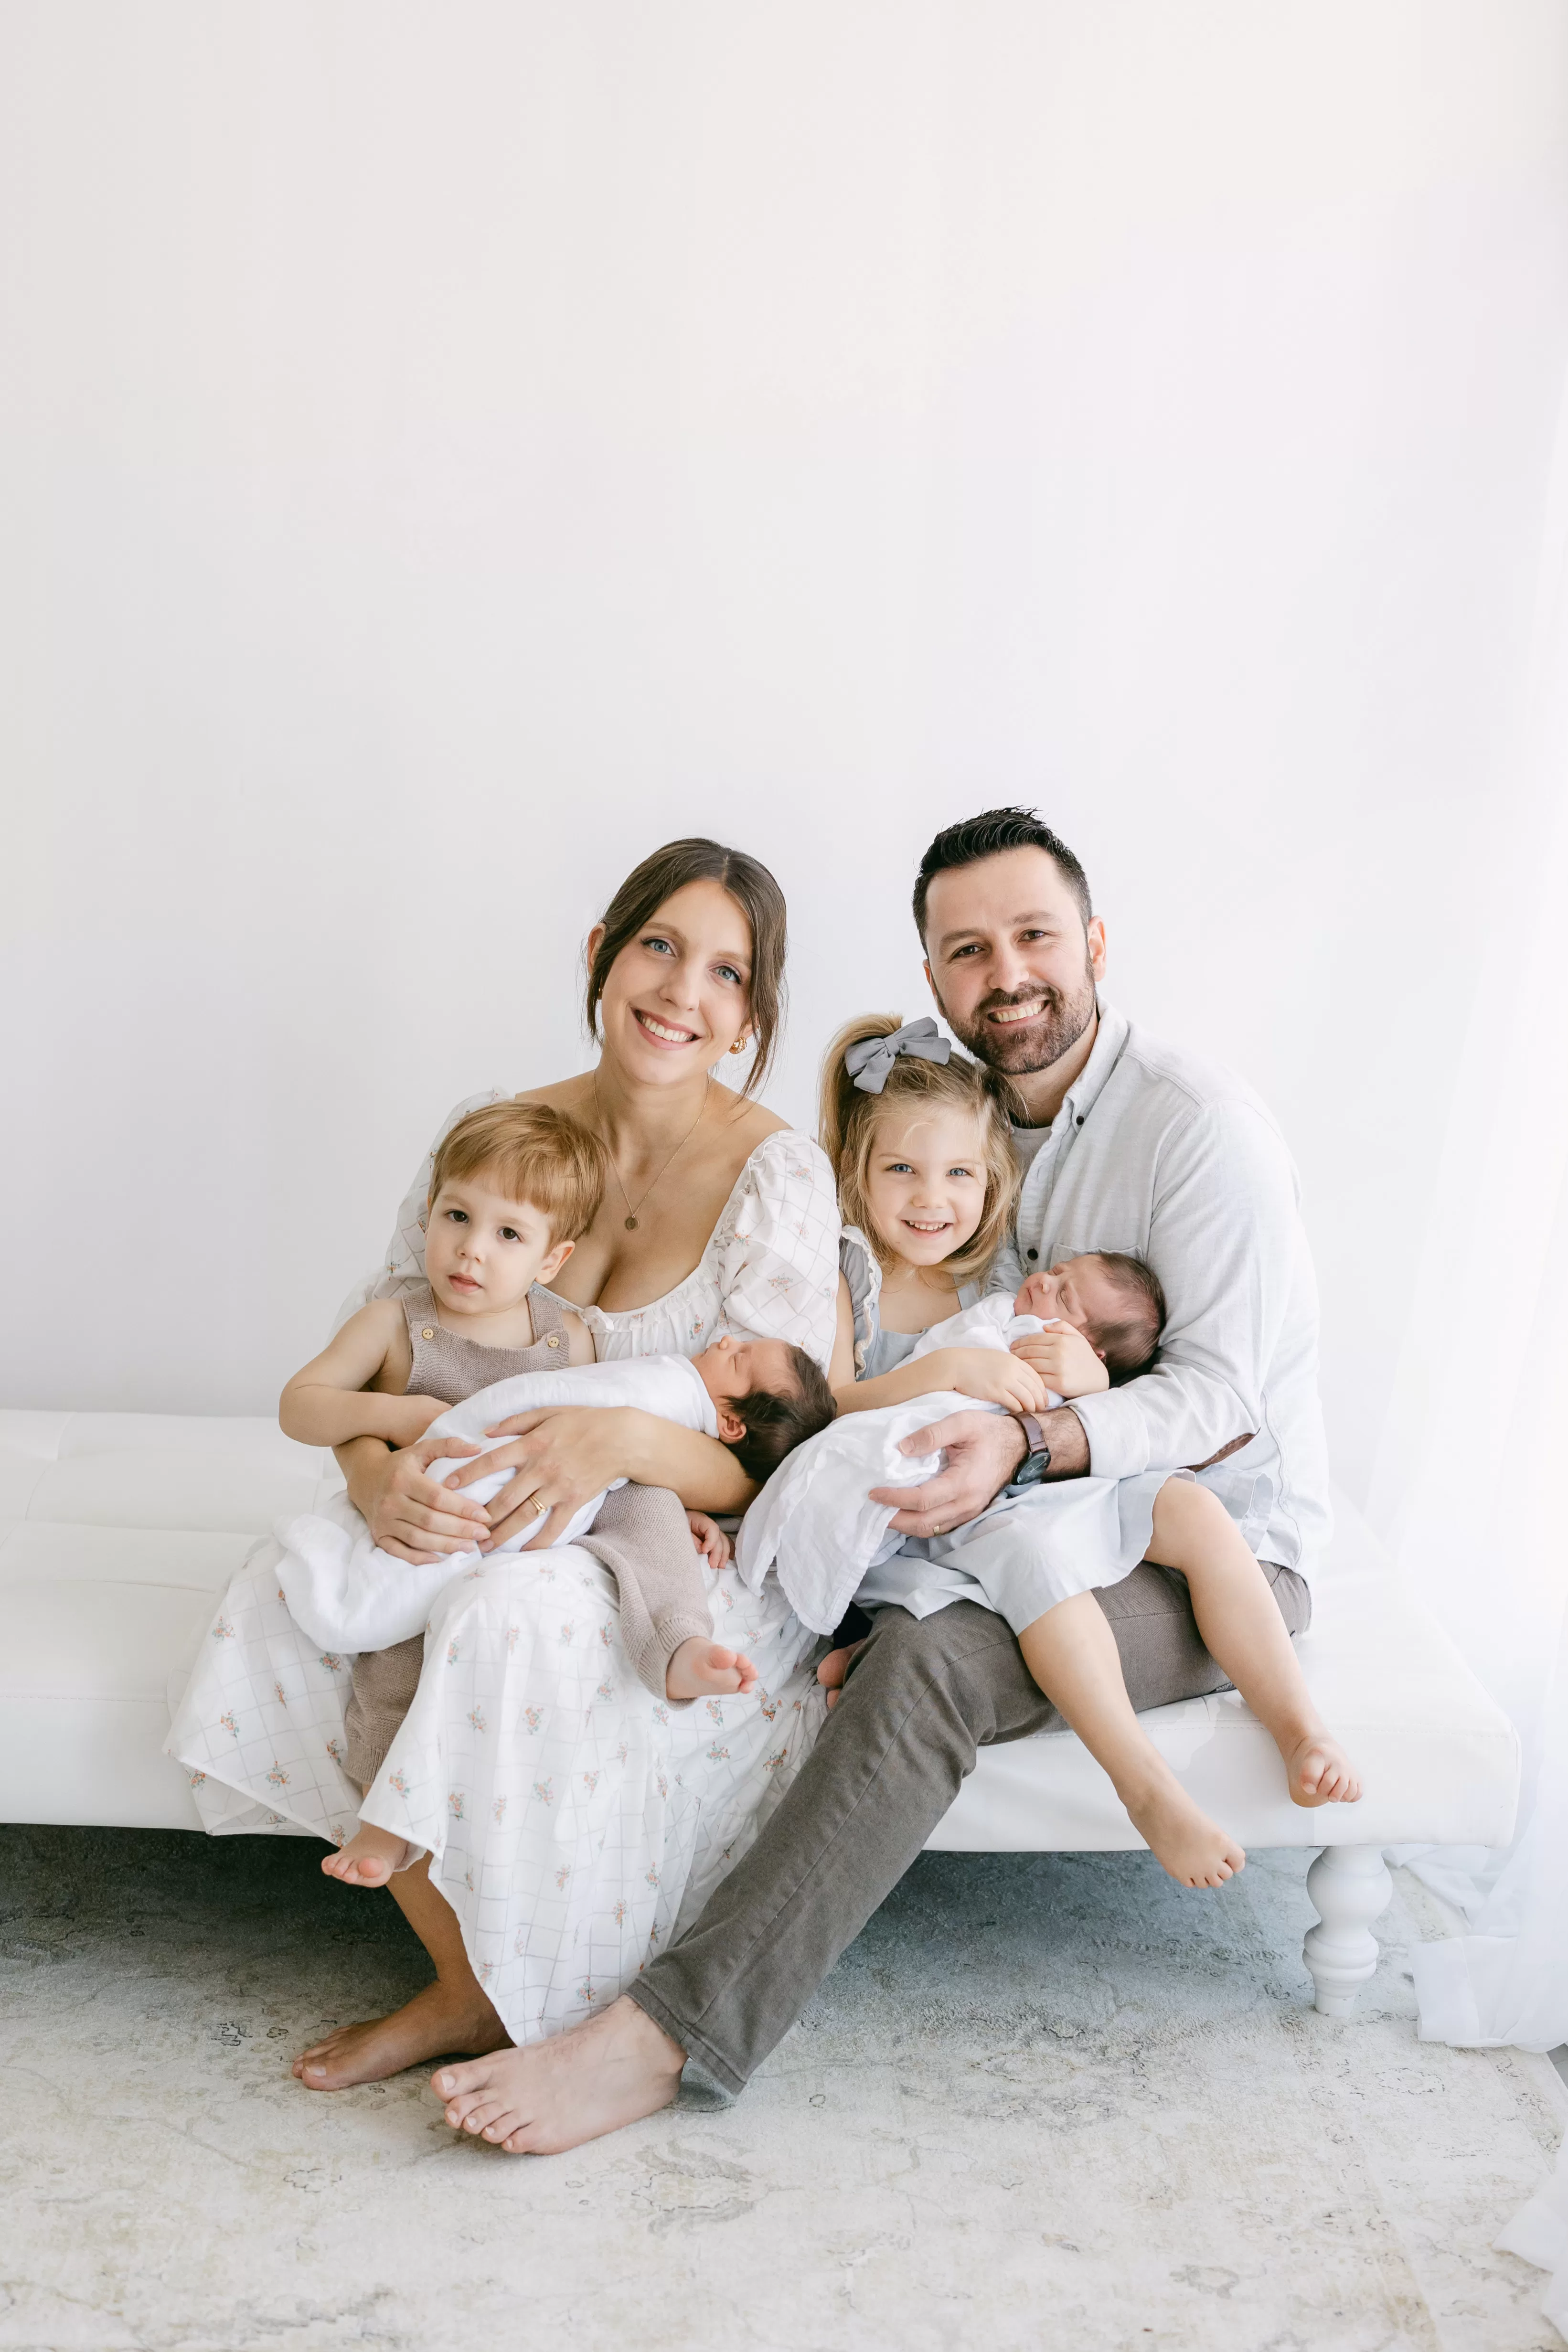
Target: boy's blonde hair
848 1117
531 1153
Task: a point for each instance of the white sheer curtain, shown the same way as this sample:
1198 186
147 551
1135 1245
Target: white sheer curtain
1469 1476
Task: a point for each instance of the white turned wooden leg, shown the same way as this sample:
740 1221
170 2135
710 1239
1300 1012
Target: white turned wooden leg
1350 1888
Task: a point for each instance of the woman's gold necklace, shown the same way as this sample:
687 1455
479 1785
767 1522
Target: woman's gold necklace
631 1215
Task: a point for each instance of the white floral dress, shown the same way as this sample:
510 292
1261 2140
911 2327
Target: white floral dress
574 1822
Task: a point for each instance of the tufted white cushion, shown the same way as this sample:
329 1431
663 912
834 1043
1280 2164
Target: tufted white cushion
119 1531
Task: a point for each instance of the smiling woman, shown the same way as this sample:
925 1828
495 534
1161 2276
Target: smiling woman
531 1765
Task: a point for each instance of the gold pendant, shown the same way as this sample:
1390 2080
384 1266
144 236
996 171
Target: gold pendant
631 1225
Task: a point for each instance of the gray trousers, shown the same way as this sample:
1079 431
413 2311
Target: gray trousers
923 1697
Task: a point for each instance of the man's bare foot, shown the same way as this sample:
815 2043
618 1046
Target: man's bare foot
835 1666
440 2018
1319 1772
1180 1835
552 2095
369 1858
700 1669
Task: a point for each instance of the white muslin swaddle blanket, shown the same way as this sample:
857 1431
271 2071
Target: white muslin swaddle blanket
348 1594
814 1524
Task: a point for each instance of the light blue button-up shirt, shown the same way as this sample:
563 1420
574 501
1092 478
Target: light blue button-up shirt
1177 1160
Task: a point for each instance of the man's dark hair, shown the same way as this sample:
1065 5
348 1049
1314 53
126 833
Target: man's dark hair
775 1426
1129 1341
986 835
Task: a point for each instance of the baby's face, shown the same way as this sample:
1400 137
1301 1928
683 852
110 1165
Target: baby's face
482 1252
738 1366
1078 1292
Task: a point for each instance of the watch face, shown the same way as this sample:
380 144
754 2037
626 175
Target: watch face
1033 1468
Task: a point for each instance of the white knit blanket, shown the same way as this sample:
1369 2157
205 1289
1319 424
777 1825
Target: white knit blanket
814 1524
349 1595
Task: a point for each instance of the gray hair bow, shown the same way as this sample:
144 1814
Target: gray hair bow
870 1062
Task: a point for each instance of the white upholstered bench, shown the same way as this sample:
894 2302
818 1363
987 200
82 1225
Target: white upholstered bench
118 1530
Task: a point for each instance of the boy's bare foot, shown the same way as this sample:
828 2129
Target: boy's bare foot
835 1666
369 1858
440 2018
552 2095
700 1669
1319 1772
1180 1835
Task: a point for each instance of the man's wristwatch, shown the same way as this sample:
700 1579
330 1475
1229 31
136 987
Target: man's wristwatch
1038 1461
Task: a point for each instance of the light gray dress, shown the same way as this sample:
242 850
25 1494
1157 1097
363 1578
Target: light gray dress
1031 1548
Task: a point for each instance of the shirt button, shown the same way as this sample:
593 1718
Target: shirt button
553 1340
1032 1254
1082 1117
428 1334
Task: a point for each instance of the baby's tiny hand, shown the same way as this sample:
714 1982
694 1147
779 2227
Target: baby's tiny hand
992 1377
709 1539
1064 1360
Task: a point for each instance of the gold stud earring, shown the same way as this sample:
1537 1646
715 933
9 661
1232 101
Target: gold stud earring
740 1046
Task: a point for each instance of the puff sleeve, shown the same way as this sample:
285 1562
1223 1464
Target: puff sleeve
777 1247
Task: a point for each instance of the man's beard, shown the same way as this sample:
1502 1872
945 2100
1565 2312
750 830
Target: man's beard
1034 1045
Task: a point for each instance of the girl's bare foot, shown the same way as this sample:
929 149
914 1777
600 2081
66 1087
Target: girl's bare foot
369 1858
552 2095
1180 1835
700 1669
440 2018
833 1669
1319 1772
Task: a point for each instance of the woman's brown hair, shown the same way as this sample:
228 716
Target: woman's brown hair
847 1125
658 878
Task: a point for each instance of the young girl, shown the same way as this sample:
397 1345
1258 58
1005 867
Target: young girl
920 1142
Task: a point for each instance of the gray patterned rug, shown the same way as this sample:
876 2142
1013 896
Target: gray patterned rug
1043 2101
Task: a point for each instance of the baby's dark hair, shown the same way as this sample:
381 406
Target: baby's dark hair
775 1426
1129 1341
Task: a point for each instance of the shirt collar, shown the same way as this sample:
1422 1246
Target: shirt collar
1084 1092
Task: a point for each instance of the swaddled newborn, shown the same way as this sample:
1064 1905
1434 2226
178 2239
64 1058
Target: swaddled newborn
1081 1323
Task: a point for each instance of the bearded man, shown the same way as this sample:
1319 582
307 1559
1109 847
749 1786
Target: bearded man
1127 1144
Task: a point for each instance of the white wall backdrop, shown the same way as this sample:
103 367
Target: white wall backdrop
447 452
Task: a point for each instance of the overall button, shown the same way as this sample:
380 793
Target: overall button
428 1334
553 1340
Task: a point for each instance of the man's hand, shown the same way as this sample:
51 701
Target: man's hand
1065 1360
983 1451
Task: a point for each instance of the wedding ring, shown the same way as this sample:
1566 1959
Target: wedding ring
540 1510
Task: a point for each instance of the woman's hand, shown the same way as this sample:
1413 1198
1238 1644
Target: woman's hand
1065 1360
709 1539
562 1454
409 1513
990 1375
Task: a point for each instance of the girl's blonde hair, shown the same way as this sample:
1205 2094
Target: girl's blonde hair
848 1117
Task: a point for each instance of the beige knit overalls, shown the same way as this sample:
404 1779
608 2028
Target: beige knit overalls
640 1536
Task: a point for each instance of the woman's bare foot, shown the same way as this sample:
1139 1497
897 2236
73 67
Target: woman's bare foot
1319 1772
369 1858
835 1666
1180 1835
440 2018
552 2095
700 1669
